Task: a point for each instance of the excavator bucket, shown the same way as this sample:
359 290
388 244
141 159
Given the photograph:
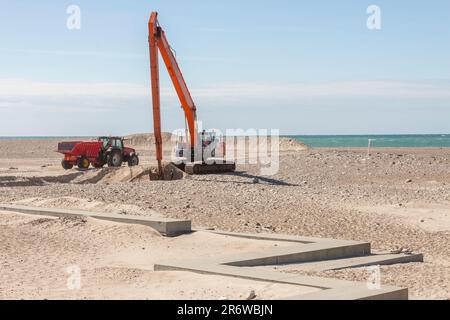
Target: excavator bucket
168 172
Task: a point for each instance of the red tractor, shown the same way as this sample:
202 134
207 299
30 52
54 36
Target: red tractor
106 150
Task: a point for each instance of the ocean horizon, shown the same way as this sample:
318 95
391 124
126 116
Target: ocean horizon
376 141
329 141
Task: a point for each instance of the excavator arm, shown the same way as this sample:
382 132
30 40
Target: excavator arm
158 41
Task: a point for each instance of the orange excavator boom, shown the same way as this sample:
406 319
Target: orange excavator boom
157 40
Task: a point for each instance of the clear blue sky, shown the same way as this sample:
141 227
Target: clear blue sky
304 67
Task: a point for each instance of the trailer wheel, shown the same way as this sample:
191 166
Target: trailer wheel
66 165
133 161
115 158
83 163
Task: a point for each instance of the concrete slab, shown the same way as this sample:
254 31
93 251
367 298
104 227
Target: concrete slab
300 253
167 227
359 292
356 262
263 236
314 250
330 289
252 274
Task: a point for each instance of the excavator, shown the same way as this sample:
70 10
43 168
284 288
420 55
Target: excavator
196 155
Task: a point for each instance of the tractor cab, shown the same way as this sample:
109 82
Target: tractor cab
111 142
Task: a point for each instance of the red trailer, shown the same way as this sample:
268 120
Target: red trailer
106 150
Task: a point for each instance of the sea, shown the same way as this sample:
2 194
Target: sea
344 141
376 141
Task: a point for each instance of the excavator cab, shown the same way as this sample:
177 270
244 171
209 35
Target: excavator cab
207 138
212 146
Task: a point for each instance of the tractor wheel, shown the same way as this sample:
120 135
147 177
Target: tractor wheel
115 158
133 161
66 165
83 163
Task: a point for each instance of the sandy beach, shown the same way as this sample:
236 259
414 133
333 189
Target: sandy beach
396 198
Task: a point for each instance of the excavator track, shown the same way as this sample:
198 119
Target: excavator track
203 168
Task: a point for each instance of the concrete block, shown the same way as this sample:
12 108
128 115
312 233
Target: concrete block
370 260
317 252
356 292
300 253
272 236
167 227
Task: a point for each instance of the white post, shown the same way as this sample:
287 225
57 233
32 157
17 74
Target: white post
368 147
